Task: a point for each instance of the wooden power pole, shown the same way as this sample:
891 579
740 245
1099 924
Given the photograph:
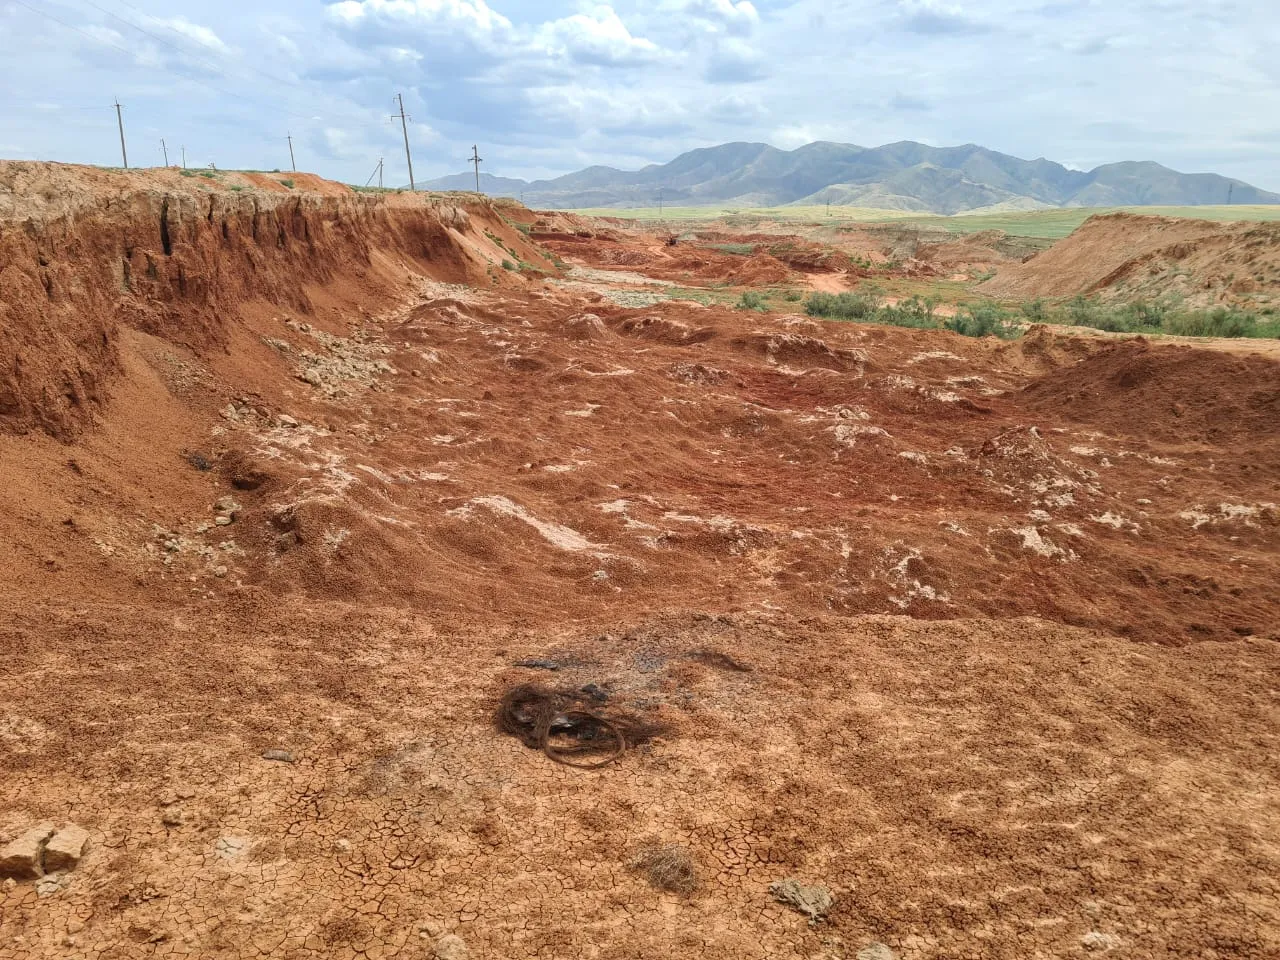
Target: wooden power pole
405 129
292 162
165 151
475 159
120 122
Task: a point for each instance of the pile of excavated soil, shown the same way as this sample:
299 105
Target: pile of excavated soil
1178 394
962 631
1124 256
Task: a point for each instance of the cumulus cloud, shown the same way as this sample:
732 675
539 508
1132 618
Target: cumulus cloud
192 31
738 110
597 37
556 86
735 62
936 17
473 17
738 18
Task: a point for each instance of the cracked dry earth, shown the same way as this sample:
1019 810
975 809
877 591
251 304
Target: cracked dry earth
980 636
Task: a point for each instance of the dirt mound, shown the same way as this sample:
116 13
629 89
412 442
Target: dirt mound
176 257
1177 394
1127 256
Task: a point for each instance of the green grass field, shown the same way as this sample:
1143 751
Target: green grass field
1044 224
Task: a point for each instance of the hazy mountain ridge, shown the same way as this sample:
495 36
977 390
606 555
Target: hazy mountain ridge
904 175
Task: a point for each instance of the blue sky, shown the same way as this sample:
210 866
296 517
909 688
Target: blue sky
549 87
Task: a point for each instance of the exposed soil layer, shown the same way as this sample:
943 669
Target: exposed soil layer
981 636
1123 256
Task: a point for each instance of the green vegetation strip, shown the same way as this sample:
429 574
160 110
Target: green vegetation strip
992 319
1046 224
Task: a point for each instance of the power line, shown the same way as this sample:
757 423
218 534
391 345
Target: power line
191 79
179 33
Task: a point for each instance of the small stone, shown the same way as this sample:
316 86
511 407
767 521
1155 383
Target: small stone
66 848
536 663
23 857
50 884
172 817
313 377
223 521
283 756
286 420
219 572
876 951
1093 940
451 947
815 901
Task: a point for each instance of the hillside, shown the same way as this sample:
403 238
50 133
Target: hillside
902 176
1124 256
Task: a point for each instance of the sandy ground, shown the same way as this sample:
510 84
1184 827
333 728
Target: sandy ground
980 636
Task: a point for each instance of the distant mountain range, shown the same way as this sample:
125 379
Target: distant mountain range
898 176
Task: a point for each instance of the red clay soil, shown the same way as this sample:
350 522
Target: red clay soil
1126 256
961 629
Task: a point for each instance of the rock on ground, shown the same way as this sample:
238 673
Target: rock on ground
23 857
66 848
815 902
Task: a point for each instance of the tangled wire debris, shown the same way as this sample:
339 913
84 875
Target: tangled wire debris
568 727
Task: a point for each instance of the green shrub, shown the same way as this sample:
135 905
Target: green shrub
1037 311
187 173
909 313
288 183
752 300
1220 322
863 305
792 296
983 320
508 265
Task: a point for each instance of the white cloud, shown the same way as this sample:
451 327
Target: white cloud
596 37
553 86
472 16
735 61
192 31
739 18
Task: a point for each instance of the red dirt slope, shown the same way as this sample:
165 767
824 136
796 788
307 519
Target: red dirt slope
948 626
1126 256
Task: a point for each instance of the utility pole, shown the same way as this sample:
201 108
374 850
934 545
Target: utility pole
1231 188
184 156
828 206
405 129
379 173
120 122
475 159
165 150
292 162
